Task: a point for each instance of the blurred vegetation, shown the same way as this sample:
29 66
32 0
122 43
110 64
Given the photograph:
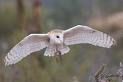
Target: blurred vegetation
82 61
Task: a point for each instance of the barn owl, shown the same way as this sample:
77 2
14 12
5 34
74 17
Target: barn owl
57 41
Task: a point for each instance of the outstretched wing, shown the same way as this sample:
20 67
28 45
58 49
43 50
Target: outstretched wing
31 43
84 34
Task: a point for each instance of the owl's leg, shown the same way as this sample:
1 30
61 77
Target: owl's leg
58 57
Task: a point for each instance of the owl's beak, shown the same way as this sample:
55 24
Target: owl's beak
59 41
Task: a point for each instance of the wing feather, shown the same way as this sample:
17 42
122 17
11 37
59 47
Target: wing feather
31 43
84 34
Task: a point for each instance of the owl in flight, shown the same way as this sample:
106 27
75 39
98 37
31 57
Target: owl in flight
57 41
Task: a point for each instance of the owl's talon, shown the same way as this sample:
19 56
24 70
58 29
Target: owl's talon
58 57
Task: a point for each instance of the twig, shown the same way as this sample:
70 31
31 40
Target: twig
110 76
99 72
100 77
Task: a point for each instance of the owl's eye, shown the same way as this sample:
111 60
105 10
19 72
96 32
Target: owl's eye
57 37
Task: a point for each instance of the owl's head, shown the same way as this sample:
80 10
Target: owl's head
56 36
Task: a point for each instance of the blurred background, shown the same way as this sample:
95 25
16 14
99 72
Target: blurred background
18 18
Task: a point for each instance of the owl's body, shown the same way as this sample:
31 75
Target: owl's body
57 41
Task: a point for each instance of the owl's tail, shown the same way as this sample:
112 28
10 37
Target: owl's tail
52 50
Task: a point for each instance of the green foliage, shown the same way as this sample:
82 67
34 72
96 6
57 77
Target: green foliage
7 21
110 6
